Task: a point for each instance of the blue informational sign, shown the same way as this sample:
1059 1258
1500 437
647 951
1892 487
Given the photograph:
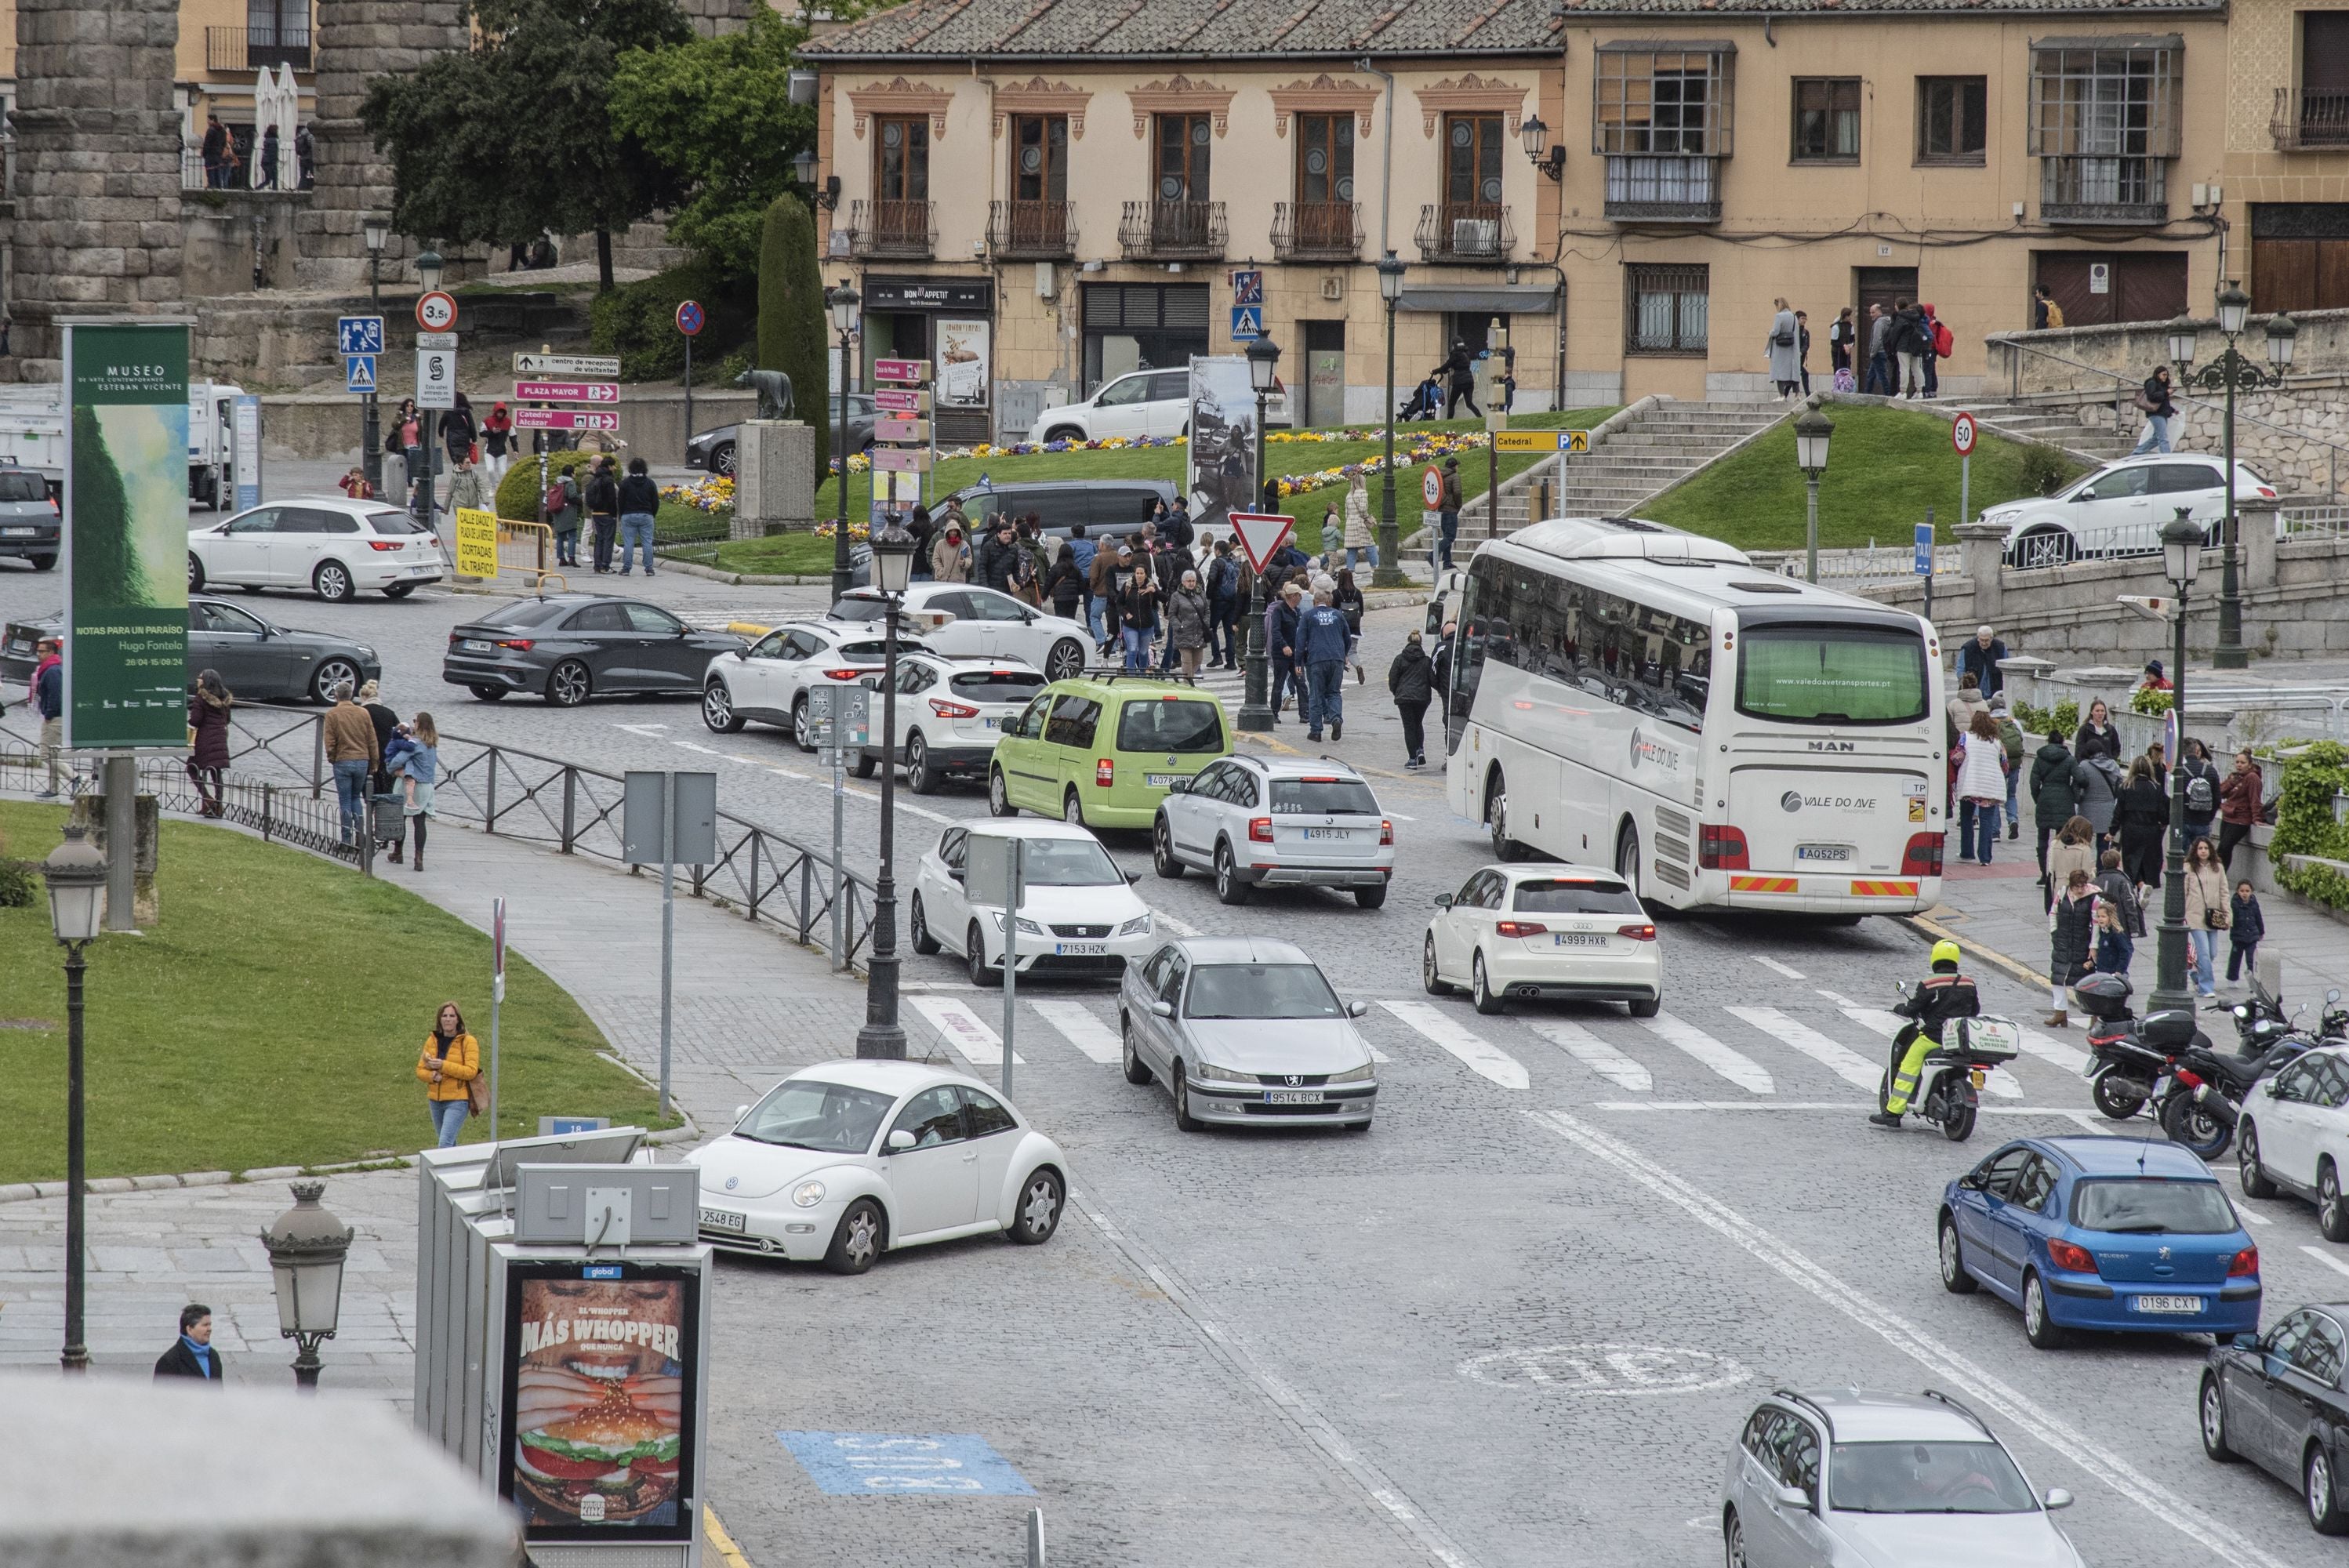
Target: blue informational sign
558 1125
358 372
879 1464
1924 549
1248 323
359 335
1248 286
245 449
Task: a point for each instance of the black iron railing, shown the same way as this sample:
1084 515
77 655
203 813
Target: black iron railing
1032 231
1464 232
1172 230
892 228
2304 121
1317 231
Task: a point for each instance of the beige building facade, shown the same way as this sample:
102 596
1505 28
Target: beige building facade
2286 164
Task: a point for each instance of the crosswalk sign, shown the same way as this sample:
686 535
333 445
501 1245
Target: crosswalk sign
358 372
1248 323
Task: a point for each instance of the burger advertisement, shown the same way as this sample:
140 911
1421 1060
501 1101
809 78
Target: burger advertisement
599 1437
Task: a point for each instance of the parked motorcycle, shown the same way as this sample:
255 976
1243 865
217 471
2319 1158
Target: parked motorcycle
1949 1080
2123 1066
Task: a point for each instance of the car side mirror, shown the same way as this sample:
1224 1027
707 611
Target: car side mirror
897 1142
1444 901
1357 1009
2089 494
2247 1342
958 874
2058 1498
1793 1496
1180 786
740 1112
1163 1007
1132 878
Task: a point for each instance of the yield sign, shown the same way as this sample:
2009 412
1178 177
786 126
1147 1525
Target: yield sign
1260 534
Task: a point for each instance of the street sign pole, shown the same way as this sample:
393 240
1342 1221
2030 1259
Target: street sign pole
497 995
1015 893
1925 559
668 918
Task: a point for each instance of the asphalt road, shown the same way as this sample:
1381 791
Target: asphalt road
1517 1323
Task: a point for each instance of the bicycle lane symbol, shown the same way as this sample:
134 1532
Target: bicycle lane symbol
1606 1369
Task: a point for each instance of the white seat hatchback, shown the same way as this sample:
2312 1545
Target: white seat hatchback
335 548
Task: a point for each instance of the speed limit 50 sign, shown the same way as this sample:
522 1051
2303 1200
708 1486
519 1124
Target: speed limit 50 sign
1961 434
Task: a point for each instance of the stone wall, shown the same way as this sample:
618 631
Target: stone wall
220 231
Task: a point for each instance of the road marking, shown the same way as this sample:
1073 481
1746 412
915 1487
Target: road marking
1847 1064
651 731
1399 817
902 804
1179 927
1837 998
1998 1081
1939 1359
1594 1053
1607 1368
2327 1259
696 746
2054 1052
1774 963
965 1031
1480 1054
1738 1068
2047 1111
1088 1034
719 1541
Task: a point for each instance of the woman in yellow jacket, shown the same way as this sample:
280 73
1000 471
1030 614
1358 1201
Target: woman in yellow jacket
450 1062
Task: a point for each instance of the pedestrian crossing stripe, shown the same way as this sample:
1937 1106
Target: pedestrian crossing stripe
1884 889
1762 884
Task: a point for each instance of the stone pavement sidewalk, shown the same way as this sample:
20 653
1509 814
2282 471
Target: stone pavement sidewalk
749 1006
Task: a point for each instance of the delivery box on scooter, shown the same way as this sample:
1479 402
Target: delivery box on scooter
1989 1040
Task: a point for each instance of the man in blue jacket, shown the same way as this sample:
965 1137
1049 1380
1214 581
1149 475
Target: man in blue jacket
1980 657
1323 643
49 697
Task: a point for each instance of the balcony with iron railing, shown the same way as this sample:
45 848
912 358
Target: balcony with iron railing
1317 231
2304 121
1172 230
905 229
1663 188
2103 191
256 48
1032 231
1464 232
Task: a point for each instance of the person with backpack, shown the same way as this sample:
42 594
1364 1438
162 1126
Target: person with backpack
2153 402
1938 343
2045 312
1912 340
2201 787
458 431
562 504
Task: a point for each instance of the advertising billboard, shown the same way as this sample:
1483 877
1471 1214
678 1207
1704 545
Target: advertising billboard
1220 462
600 1380
125 549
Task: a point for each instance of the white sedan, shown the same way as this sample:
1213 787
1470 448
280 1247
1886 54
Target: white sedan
1527 930
964 618
332 547
2293 1135
771 679
1081 916
848 1160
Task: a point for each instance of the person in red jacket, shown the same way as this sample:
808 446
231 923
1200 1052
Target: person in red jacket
2239 806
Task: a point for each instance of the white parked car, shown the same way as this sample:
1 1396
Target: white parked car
848 1159
335 548
2293 1136
2119 509
1081 917
985 625
1277 821
1537 930
950 713
1141 402
771 679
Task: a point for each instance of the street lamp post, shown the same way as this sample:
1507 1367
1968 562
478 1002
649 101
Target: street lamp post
1388 573
893 569
370 430
2231 373
1812 429
307 1247
842 302
427 423
1264 364
76 873
2181 555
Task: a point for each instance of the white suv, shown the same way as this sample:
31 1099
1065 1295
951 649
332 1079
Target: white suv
771 679
1256 821
950 713
1144 403
2119 509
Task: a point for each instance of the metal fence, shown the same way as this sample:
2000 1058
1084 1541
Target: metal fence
279 784
1882 565
2326 522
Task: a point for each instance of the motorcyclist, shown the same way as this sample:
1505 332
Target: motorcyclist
1943 995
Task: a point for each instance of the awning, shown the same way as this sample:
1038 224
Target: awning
1523 299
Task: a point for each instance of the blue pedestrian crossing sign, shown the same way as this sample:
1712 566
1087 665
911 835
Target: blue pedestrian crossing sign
358 372
1248 322
359 335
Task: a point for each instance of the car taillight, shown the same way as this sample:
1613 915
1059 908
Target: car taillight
845 674
1104 772
1518 928
1722 849
1259 830
1637 932
1386 832
2246 1263
1923 858
2065 1255
519 644
387 544
946 709
2267 494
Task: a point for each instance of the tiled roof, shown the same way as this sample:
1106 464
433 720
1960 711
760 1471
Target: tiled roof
1184 29
1582 12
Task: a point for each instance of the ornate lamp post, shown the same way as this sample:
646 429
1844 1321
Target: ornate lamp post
307 1247
377 232
1388 573
1812 429
76 873
2181 558
883 1035
2231 373
1264 364
842 302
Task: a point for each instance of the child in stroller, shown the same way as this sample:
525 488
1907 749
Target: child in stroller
1426 401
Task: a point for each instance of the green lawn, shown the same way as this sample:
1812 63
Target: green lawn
798 553
273 1019
1885 467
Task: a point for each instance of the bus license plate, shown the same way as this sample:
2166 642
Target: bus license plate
1838 853
1339 834
2184 1303
1082 949
1294 1097
722 1220
1160 780
1567 939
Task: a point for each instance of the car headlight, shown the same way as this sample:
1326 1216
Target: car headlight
1138 926
808 1194
1356 1075
1209 1072
1027 926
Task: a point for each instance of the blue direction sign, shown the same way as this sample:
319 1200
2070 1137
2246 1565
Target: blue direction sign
359 335
358 372
1248 322
1924 549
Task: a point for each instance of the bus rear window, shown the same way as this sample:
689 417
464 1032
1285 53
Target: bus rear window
1831 675
1184 723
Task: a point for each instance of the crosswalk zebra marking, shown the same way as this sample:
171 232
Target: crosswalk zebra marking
1479 1054
1082 1029
2054 1052
1774 963
1846 1063
965 1031
1594 1053
2001 1084
1737 1067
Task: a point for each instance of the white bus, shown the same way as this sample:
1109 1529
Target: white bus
1625 694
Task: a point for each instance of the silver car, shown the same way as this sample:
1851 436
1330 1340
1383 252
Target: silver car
1848 1479
1277 821
1246 1031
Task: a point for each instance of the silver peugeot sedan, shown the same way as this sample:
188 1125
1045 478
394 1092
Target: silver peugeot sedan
1246 1031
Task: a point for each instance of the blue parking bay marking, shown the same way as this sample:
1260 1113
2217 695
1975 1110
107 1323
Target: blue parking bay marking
872 1464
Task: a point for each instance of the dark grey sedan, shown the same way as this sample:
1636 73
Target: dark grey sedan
29 525
259 660
715 449
568 647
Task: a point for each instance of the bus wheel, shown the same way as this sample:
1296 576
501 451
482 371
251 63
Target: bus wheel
1496 813
1627 858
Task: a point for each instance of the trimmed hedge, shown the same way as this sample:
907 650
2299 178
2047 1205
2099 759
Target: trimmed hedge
639 322
2305 824
791 319
518 500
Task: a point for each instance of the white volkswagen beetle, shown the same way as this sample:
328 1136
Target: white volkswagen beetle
848 1159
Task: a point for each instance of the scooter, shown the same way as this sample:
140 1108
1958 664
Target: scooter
2205 1093
1949 1080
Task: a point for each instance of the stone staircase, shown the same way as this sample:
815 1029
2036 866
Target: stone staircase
2085 429
1639 452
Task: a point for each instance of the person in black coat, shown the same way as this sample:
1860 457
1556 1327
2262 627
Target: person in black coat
1460 381
2096 735
1066 584
1410 681
2142 818
997 557
192 1355
603 498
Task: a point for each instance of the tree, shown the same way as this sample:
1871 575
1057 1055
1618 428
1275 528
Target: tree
718 112
791 315
514 138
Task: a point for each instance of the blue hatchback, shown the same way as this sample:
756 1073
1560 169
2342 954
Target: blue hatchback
2118 1234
